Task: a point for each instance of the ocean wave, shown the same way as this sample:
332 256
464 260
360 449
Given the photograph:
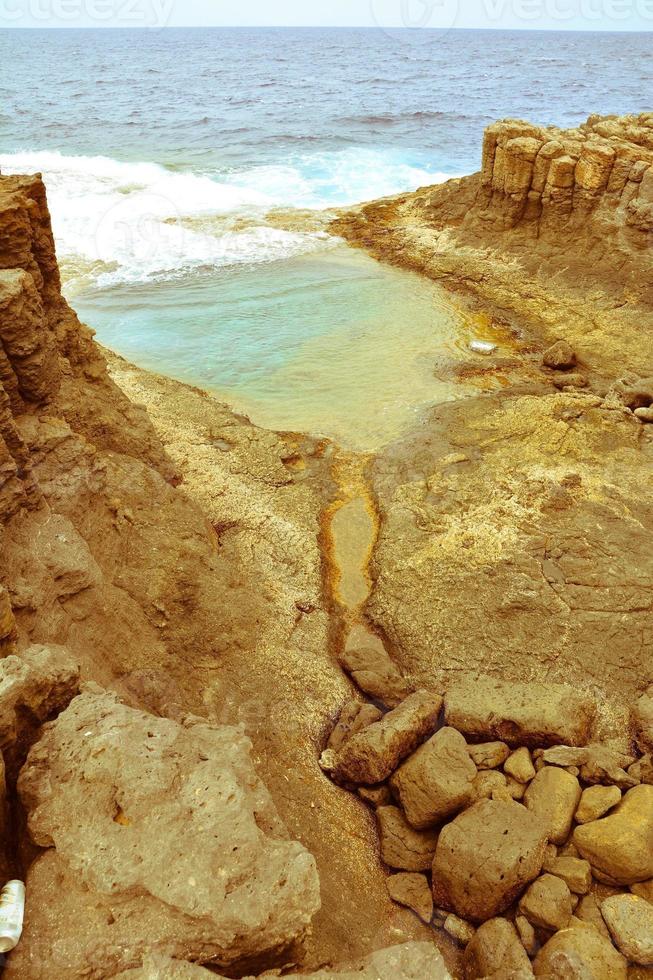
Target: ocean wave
134 222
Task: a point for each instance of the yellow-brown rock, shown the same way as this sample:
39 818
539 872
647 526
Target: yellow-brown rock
620 846
553 796
580 954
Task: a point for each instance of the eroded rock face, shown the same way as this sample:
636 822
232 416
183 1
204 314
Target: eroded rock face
169 823
486 857
34 687
620 846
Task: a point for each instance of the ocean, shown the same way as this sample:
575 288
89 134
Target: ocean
191 174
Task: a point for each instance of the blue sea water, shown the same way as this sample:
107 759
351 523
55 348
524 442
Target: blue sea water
183 166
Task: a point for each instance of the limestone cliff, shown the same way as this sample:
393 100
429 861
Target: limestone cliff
555 232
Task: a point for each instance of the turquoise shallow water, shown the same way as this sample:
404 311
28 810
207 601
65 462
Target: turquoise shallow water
182 165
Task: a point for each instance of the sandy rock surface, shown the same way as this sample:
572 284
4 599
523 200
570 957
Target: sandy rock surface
412 961
169 821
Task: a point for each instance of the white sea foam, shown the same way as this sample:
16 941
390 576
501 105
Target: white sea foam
139 222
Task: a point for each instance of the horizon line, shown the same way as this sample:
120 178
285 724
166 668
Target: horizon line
321 27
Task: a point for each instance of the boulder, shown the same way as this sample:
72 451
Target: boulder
620 846
412 961
353 718
553 796
547 903
576 873
596 801
373 754
402 846
630 921
413 891
580 954
489 755
559 357
644 415
519 765
487 782
436 782
496 951
486 857
162 838
373 671
519 713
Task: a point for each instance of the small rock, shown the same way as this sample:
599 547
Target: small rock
436 782
580 954
620 846
519 713
630 921
413 891
637 394
642 770
520 766
487 782
547 903
329 760
575 872
588 912
559 357
502 793
553 796
461 931
402 846
485 857
376 796
607 764
373 671
644 415
489 755
565 755
596 801
372 755
644 889
526 934
482 347
354 717
496 951
570 380
516 790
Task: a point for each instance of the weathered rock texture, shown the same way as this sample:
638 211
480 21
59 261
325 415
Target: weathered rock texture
513 524
154 588
170 824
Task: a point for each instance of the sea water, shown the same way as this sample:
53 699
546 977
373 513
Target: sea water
191 175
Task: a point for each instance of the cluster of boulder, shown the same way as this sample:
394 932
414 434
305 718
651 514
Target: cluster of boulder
503 822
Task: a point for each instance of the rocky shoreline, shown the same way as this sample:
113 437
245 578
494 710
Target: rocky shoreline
178 633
